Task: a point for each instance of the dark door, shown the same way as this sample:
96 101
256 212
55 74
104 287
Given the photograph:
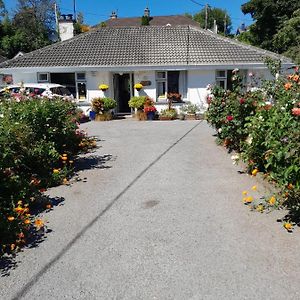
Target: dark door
122 92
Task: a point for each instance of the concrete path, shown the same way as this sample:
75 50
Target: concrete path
159 217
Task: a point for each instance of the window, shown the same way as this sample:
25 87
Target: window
43 77
167 82
80 76
221 79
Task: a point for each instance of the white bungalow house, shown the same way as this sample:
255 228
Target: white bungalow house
180 59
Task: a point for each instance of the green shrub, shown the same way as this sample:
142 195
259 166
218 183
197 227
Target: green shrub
38 137
137 102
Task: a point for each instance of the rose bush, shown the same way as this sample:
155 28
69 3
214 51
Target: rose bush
38 139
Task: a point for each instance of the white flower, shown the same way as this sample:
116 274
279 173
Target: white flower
235 70
250 74
261 118
249 140
282 108
220 130
1 116
277 76
208 87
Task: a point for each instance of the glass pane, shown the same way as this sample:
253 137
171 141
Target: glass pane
173 82
81 90
43 77
221 74
80 76
161 75
221 83
161 89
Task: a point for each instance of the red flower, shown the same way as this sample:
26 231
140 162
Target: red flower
229 118
242 101
149 109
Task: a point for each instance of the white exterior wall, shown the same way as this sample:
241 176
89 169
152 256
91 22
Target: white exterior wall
197 82
93 80
26 77
149 91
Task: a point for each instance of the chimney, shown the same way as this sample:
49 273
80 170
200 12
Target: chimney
113 15
147 12
215 28
66 27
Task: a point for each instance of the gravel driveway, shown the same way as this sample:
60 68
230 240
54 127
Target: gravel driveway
157 215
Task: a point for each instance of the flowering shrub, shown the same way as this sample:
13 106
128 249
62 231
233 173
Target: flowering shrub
137 102
103 87
38 139
102 105
263 126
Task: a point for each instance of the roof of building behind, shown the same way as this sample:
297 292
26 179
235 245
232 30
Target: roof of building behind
153 21
2 59
143 46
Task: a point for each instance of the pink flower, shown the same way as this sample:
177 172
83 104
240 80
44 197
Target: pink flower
229 118
296 111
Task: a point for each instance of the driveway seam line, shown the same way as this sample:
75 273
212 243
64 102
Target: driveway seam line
64 250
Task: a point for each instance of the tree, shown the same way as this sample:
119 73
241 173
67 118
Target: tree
287 39
79 25
213 13
269 16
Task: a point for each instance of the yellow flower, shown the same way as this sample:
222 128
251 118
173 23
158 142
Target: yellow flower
10 218
272 200
288 226
20 202
254 188
260 208
138 86
248 199
254 172
245 193
71 161
103 86
39 223
55 171
65 181
12 247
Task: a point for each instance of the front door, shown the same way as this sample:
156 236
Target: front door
122 92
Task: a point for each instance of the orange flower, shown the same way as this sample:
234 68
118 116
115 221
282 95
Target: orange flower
290 186
287 86
248 199
272 200
64 158
288 226
48 206
19 209
296 78
27 222
10 218
39 223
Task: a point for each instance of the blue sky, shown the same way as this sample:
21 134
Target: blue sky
96 11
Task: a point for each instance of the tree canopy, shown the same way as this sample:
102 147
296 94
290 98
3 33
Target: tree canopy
276 25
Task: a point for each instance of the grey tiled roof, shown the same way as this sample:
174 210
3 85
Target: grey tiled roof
142 46
154 21
2 58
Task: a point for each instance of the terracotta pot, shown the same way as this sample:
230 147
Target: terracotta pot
103 117
190 117
165 118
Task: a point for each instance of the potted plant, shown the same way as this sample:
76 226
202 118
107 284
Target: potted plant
103 87
168 114
174 97
190 111
138 102
103 108
149 109
138 86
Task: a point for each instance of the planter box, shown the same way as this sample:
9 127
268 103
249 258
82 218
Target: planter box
140 116
165 118
190 117
103 117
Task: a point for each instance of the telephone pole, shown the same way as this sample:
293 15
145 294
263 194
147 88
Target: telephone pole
206 15
74 7
225 24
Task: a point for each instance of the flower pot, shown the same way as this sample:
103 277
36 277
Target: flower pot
103 90
150 115
92 115
165 118
138 89
190 117
106 116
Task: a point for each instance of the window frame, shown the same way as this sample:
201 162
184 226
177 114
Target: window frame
41 80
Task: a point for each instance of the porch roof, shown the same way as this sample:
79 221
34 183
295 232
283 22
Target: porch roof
143 46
